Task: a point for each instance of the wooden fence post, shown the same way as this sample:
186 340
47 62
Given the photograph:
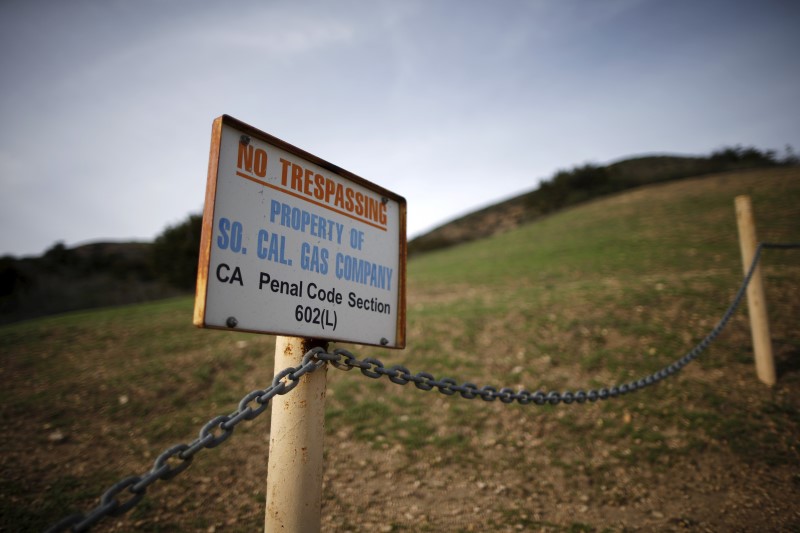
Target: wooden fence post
756 303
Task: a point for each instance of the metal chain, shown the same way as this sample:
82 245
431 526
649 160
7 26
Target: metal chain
176 459
374 368
780 245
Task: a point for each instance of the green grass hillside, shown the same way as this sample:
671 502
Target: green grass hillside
568 188
605 292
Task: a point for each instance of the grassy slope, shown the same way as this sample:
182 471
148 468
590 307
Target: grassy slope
605 292
574 187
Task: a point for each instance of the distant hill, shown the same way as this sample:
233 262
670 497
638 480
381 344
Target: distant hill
100 274
67 279
583 183
107 273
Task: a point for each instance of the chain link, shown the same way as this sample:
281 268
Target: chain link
374 368
176 459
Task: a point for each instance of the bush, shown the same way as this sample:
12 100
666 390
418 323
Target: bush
175 253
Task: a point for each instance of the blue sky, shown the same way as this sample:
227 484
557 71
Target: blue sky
107 105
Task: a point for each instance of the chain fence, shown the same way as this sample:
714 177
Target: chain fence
174 460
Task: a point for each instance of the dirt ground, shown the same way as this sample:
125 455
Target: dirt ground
523 468
711 449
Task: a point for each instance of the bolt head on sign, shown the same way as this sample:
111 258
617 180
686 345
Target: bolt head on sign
293 245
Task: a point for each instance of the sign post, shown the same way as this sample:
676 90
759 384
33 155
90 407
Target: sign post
294 471
295 246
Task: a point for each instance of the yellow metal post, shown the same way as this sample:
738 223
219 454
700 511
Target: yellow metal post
294 476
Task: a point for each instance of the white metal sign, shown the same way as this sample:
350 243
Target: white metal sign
293 245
